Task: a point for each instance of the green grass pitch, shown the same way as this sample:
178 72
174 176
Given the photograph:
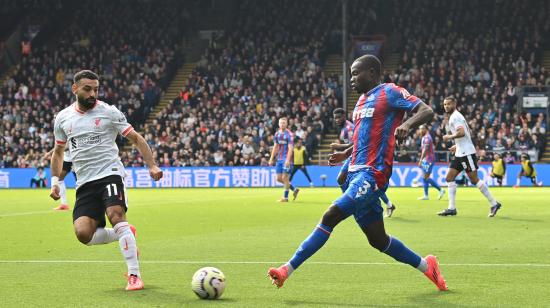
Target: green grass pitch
501 261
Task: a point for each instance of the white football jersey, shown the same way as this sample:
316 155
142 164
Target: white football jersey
464 145
91 137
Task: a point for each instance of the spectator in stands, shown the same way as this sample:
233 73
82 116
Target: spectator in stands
39 179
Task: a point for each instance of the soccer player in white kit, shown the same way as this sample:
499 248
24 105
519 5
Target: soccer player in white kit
464 159
89 127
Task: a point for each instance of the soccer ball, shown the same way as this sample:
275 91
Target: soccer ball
208 283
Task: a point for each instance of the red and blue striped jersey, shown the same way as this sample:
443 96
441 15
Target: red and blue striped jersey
376 116
283 139
347 132
428 146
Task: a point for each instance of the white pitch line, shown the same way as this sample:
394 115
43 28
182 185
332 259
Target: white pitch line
27 213
270 262
130 205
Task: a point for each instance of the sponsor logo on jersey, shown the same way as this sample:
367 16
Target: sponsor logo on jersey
363 113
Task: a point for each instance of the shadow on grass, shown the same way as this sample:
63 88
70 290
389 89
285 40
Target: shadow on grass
438 299
401 219
154 296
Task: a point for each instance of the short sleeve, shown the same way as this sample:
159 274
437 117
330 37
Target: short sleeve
400 98
275 138
458 122
59 133
290 139
120 123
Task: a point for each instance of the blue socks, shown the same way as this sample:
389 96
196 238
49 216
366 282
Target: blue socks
291 187
434 184
314 242
384 198
286 194
426 185
401 253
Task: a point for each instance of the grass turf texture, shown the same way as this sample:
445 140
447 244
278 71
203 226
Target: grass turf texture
210 227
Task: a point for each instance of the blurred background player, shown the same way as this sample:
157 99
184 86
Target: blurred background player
283 148
300 160
499 168
343 143
90 128
426 162
370 170
528 171
39 179
464 159
66 169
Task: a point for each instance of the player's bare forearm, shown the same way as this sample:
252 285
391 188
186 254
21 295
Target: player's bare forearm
56 162
289 154
142 147
423 153
342 146
146 153
423 114
273 153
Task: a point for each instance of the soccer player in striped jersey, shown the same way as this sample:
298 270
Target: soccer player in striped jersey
464 159
426 162
378 117
283 149
344 142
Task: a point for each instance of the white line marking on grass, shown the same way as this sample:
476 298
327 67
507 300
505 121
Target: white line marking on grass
130 205
27 213
269 262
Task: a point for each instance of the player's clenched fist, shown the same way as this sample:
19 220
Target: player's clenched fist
402 131
155 173
54 192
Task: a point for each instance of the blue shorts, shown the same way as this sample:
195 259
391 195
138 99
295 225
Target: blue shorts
427 167
280 167
362 198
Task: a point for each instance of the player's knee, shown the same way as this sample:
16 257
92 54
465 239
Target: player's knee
84 235
379 242
332 217
280 178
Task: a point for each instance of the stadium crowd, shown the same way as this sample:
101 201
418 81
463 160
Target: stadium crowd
266 66
481 57
134 50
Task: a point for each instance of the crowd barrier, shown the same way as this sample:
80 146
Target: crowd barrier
175 177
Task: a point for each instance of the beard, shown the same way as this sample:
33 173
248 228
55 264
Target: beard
87 102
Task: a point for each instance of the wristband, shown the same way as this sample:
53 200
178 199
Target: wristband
55 181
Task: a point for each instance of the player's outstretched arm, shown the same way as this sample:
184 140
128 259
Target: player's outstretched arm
146 153
459 134
423 114
56 164
340 146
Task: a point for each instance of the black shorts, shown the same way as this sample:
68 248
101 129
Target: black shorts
93 198
467 163
496 176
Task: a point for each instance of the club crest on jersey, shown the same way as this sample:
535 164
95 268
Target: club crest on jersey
97 122
363 113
